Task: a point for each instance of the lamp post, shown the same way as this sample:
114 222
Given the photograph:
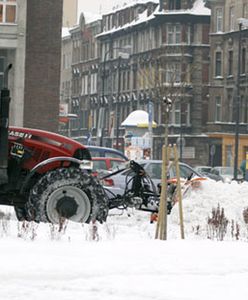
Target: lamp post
241 22
124 54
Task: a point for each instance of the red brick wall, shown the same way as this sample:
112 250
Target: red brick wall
42 65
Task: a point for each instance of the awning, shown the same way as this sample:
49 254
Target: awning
66 118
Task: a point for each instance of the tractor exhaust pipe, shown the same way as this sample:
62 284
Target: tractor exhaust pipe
4 125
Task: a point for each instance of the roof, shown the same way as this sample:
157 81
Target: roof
130 3
138 118
65 32
198 9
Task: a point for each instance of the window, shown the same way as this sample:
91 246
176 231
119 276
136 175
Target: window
243 109
218 64
230 109
172 73
219 19
228 154
8 11
230 63
231 18
174 4
174 34
175 113
217 109
85 85
245 10
93 83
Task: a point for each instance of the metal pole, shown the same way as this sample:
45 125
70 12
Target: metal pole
237 108
103 93
150 117
117 103
181 134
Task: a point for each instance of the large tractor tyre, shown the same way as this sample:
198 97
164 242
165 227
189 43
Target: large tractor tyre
69 193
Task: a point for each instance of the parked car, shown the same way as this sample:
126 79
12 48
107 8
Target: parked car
203 169
105 164
226 173
154 170
206 171
97 151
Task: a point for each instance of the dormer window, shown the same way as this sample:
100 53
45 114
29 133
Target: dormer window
174 4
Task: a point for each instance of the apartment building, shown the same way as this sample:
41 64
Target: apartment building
85 75
168 47
30 39
228 80
134 57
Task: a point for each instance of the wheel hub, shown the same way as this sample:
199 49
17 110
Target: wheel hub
66 207
68 202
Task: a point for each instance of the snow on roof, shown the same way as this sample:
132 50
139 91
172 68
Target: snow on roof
65 32
198 9
137 118
130 3
142 18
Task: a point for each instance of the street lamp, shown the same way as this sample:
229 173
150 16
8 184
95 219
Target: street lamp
124 54
241 22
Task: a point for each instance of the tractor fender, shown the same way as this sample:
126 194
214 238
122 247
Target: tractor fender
81 164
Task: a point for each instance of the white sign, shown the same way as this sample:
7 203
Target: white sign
142 142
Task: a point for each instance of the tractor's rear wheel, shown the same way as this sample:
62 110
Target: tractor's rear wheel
67 193
21 213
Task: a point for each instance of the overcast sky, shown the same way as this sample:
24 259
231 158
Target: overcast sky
98 6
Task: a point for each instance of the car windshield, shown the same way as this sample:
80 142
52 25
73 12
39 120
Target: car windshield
205 169
116 164
227 171
120 166
99 165
154 170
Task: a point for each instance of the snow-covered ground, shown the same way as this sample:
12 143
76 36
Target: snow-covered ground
126 261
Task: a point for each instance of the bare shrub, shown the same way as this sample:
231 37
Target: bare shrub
58 230
217 224
93 234
235 230
27 230
196 229
245 217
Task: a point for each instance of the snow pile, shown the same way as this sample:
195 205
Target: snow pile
198 204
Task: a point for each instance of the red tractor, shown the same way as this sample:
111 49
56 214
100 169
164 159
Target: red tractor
46 176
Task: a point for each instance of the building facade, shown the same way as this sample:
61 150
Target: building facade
228 81
133 58
169 58
85 76
34 50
